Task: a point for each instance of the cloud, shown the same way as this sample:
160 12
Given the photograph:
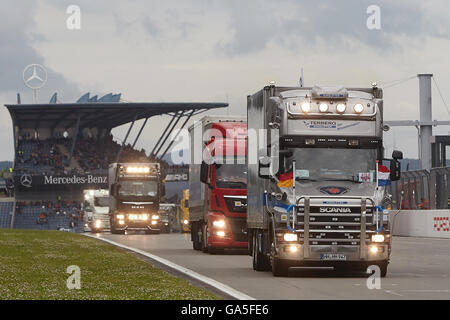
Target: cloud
215 50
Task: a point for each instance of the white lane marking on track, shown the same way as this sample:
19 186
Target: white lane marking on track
209 281
393 292
430 291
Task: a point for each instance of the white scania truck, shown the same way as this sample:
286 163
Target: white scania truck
317 187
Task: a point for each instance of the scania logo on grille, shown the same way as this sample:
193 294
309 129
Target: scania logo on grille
335 210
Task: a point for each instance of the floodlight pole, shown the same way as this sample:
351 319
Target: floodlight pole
425 124
168 133
126 137
176 136
140 131
163 134
74 139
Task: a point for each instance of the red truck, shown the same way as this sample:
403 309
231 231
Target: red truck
218 183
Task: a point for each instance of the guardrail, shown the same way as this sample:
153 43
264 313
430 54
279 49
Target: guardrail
422 190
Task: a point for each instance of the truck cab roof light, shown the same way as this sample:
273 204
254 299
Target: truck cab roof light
306 107
340 107
323 107
358 108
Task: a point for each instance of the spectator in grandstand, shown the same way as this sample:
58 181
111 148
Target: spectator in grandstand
42 218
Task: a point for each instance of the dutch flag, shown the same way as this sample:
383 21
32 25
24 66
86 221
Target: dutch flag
383 176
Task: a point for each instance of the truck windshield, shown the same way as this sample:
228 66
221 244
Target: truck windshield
138 188
232 176
333 164
101 201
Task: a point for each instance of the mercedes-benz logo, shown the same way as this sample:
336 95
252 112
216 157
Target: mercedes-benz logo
34 76
26 180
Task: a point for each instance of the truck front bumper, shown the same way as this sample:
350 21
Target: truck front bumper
137 226
295 253
223 242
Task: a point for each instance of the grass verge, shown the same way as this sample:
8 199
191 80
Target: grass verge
33 265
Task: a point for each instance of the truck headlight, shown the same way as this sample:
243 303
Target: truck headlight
378 238
219 223
375 249
290 237
145 217
120 216
155 217
121 222
98 223
185 221
220 233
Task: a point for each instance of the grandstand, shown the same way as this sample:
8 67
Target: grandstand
62 149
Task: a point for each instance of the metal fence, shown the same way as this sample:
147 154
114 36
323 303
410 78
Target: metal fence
422 190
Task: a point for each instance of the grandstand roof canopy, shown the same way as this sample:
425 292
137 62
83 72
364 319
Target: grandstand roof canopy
98 114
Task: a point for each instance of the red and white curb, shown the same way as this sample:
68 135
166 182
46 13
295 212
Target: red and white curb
188 272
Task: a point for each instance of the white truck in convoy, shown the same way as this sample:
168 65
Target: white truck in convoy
317 187
97 210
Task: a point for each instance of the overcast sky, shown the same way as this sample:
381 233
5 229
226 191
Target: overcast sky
223 51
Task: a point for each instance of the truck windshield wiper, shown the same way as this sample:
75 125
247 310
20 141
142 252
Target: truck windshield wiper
304 179
232 183
351 180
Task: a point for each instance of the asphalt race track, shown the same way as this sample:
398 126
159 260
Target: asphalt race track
419 269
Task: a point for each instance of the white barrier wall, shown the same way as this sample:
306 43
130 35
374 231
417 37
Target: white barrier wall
421 223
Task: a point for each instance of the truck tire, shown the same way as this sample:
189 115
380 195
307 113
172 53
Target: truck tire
260 260
383 269
250 242
204 242
280 268
196 245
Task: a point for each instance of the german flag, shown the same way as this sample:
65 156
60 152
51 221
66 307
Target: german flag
286 180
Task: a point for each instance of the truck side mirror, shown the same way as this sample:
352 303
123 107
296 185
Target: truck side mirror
204 172
396 155
395 169
264 167
115 187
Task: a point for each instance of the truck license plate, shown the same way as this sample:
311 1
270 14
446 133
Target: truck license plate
333 256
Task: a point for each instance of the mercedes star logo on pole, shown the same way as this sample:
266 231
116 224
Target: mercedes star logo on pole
26 180
34 76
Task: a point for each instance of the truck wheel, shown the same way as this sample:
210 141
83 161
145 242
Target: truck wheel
250 243
280 268
196 245
260 261
204 238
383 269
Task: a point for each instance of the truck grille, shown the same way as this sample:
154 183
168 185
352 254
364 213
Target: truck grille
238 228
236 204
335 225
